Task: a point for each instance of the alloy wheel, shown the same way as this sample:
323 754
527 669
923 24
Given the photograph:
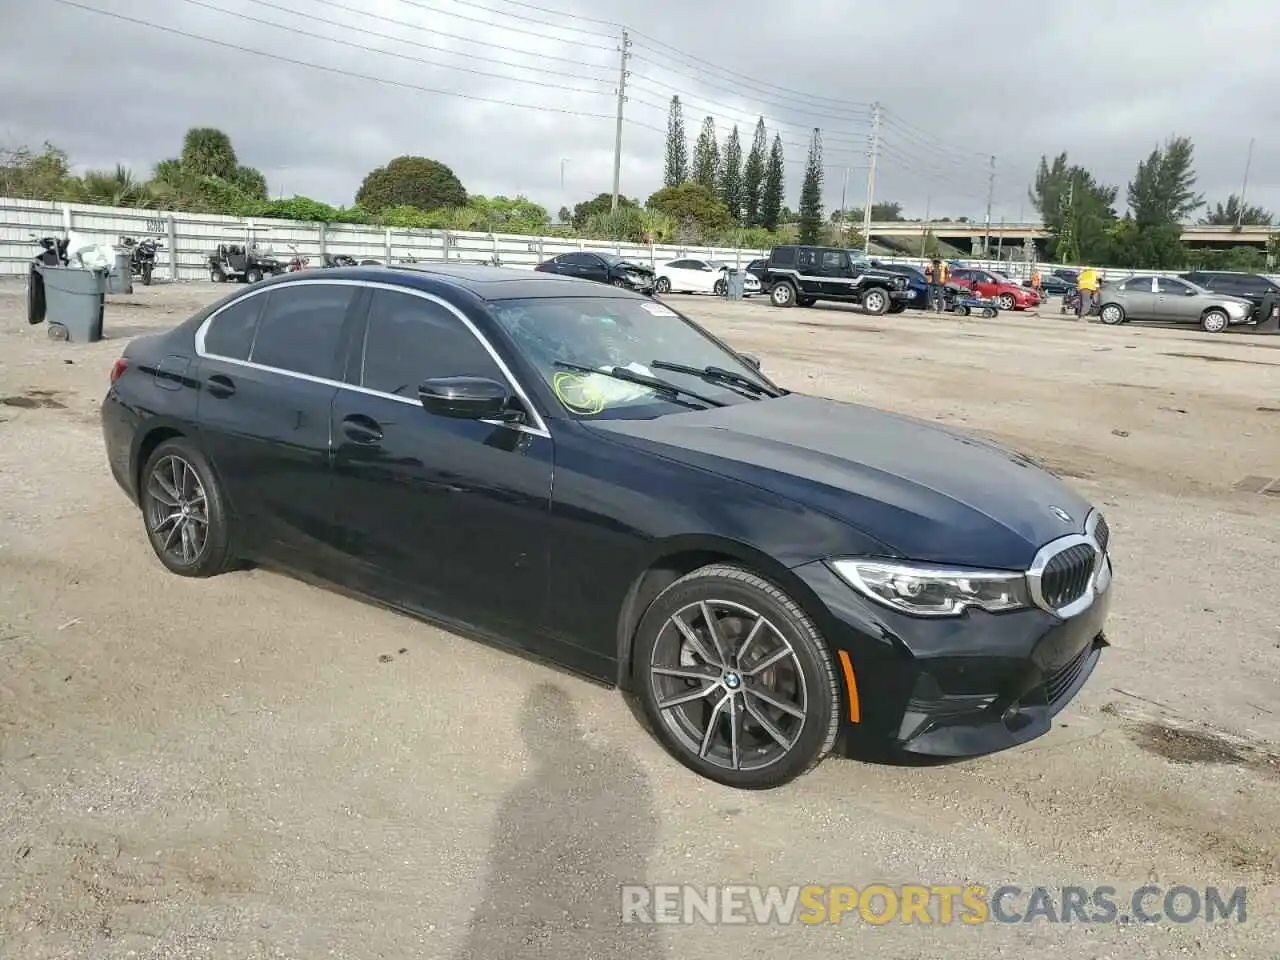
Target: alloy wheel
177 510
1007 302
728 685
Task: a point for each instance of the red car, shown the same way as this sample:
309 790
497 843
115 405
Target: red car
1007 294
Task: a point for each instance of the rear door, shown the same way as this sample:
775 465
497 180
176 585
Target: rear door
1137 296
270 366
809 276
441 515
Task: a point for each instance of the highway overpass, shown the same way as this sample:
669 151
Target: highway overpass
1007 234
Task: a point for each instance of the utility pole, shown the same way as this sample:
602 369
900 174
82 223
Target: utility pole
1245 187
924 230
991 190
872 156
844 210
624 54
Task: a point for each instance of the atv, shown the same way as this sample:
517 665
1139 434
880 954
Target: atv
230 262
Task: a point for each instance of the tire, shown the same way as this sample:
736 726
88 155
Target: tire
1214 321
37 304
206 556
1112 314
805 301
617 282
783 294
663 285
253 275
720 289
988 312
217 276
1006 301
876 301
805 679
146 274
897 306
961 310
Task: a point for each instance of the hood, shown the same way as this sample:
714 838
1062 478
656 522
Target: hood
634 267
926 492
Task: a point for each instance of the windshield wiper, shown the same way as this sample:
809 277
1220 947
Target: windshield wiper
714 374
653 383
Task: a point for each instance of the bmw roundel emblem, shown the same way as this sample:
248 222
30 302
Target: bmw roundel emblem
1061 514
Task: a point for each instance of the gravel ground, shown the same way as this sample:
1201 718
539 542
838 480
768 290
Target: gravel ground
253 767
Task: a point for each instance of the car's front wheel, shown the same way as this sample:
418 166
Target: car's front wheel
663 285
875 301
736 679
183 510
1006 301
1214 321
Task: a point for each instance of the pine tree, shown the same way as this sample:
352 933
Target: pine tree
771 193
731 175
753 176
811 192
677 169
706 156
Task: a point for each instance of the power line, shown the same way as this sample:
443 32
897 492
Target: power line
500 26
913 132
388 53
554 26
337 71
577 61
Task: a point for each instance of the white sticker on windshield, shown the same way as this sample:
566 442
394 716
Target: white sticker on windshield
659 310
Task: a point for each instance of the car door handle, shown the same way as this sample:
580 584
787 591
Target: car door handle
361 429
220 386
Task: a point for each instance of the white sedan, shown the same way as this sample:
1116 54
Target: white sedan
693 275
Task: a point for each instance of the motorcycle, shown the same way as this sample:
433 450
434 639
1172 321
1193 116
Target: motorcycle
142 262
298 262
335 260
53 251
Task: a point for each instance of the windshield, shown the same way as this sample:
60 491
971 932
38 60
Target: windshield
640 336
611 258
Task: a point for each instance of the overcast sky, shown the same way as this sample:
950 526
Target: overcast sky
958 82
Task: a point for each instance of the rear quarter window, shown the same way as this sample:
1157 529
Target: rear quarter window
230 334
783 256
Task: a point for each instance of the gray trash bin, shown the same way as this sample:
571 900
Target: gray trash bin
736 283
75 299
120 280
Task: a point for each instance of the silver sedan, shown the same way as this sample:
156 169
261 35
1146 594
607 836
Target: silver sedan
1170 301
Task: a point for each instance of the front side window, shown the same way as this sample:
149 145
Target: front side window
560 336
230 335
410 340
301 328
835 260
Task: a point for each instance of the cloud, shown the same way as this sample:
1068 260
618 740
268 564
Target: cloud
958 82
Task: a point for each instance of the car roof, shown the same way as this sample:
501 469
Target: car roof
484 282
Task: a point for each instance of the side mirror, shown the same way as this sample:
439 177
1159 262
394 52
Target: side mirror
466 398
750 359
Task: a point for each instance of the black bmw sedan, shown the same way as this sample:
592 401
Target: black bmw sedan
585 475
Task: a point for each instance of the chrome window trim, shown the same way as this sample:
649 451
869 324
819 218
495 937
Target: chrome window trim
537 429
1099 579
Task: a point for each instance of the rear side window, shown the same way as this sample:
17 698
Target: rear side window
783 256
230 334
410 339
301 328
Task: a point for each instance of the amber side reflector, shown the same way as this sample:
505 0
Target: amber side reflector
851 684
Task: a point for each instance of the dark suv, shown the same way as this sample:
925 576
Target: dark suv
1262 292
803 275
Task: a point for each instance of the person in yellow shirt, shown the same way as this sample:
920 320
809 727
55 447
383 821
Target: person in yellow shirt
1087 283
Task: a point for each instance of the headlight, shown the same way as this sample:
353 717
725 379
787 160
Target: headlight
933 591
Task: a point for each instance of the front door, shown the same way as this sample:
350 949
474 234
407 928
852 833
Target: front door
269 369
836 272
445 516
1176 302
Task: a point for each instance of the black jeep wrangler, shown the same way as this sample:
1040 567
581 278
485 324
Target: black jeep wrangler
798 274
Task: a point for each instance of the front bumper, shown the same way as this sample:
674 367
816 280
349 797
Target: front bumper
953 687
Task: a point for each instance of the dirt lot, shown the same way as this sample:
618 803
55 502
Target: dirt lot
252 767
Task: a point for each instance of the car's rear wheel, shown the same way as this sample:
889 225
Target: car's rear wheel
1006 301
783 295
720 288
1111 314
663 285
182 508
960 310
217 276
875 301
1214 321
736 679
253 276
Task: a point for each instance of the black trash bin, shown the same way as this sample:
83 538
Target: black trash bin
74 302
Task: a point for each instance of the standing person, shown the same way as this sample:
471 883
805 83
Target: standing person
1035 281
1087 284
936 274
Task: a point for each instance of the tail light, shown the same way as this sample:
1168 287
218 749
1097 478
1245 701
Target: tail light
118 368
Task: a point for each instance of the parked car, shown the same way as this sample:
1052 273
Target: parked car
1069 274
693 275
1054 286
757 269
1170 301
1253 287
993 286
607 268
772 574
916 282
801 274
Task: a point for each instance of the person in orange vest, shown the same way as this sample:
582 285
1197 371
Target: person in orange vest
936 276
1035 280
